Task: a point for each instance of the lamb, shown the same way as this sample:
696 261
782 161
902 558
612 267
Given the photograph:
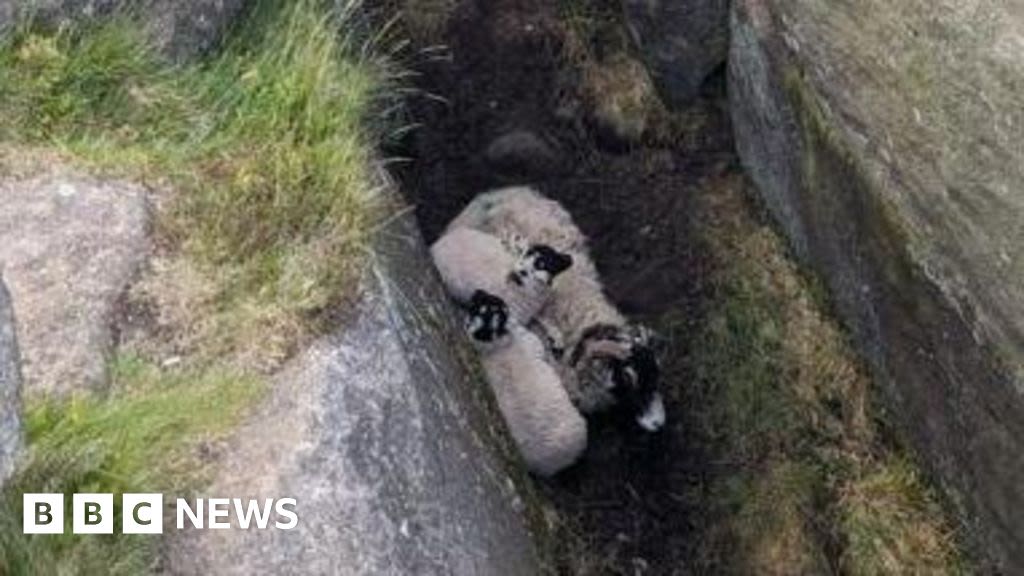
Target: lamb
610 362
471 260
548 430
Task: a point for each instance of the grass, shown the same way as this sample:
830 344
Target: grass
619 92
809 482
149 437
268 144
887 516
268 147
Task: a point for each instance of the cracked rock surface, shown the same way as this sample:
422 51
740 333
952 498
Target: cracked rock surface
69 247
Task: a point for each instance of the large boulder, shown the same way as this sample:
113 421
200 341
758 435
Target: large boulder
69 245
885 137
10 389
181 29
682 41
387 436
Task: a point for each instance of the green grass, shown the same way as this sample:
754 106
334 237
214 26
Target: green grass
147 437
765 500
268 146
807 478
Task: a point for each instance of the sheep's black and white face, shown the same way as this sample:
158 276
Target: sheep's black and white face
488 317
636 387
541 263
630 370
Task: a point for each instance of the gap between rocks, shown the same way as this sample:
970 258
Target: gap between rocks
510 96
512 113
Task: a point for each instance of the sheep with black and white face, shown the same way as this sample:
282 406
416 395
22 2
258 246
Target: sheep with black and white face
547 428
608 361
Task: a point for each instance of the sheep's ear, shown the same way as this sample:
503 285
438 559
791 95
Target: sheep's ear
560 263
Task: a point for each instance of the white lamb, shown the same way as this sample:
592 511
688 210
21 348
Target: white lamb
471 260
548 430
608 361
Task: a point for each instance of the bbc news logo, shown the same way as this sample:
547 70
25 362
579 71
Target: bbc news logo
144 513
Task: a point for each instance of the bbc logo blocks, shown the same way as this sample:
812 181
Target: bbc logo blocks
142 514
93 513
44 514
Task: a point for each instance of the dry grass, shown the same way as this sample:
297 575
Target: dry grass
889 519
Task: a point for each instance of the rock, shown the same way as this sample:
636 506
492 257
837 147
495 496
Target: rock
10 389
524 153
622 98
682 42
181 29
6 15
885 138
69 246
388 438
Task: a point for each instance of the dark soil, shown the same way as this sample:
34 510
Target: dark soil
634 503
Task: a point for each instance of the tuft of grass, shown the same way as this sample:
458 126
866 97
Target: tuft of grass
148 436
619 92
269 146
68 86
888 519
771 519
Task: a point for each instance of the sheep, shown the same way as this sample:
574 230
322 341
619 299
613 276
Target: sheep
610 361
471 260
548 430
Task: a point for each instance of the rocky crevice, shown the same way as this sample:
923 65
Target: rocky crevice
529 94
864 161
917 248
